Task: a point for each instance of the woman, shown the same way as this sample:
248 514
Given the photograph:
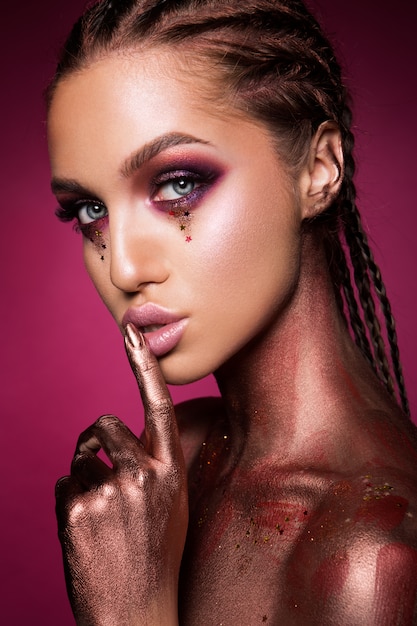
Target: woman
205 150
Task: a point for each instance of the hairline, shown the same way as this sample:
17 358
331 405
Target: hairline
222 104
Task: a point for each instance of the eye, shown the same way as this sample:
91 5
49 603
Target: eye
175 189
89 211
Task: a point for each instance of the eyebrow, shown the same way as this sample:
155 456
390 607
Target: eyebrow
151 149
67 185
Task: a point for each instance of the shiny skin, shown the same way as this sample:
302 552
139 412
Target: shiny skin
302 478
114 538
100 117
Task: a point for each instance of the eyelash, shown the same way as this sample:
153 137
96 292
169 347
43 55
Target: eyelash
69 210
201 183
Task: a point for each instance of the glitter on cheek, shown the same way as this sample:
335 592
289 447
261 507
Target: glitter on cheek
183 218
95 232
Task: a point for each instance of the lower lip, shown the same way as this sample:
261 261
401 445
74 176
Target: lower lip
166 338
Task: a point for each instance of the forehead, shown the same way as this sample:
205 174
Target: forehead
120 88
104 112
147 84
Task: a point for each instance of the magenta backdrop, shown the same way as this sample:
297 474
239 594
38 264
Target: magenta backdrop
63 358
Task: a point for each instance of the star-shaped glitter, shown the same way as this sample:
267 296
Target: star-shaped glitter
186 213
102 258
182 227
188 239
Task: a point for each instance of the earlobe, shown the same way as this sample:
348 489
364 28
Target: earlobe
323 174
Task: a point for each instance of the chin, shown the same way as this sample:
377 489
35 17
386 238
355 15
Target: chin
178 370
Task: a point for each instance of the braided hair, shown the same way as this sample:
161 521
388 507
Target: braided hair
273 59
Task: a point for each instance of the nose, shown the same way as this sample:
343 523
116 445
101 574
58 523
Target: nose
136 257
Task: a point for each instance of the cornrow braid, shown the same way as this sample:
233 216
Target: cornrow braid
273 60
368 280
345 297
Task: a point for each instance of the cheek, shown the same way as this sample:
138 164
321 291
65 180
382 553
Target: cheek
96 255
246 267
249 245
95 233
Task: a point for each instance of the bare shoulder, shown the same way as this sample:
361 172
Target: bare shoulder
196 418
359 552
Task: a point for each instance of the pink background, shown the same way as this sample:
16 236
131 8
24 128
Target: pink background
63 362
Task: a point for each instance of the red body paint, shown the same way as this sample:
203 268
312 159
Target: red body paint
395 590
386 513
330 577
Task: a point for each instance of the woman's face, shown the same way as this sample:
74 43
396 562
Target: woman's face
185 208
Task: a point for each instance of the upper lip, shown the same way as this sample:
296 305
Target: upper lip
149 314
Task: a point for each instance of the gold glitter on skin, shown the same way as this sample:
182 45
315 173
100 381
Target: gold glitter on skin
183 217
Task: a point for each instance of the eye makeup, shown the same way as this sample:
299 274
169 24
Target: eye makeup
86 211
180 198
93 230
179 191
174 184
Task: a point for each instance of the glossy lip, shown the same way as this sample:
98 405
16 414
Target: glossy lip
164 339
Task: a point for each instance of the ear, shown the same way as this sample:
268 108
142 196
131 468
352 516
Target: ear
323 173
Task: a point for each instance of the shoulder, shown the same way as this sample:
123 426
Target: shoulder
196 419
360 552
373 510
370 581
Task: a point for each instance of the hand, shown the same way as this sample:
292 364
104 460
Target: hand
123 528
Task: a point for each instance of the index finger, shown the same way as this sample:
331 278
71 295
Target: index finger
160 423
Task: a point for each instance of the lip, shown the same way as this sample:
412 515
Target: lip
164 339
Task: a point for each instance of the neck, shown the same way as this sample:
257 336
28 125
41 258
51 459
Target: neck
301 387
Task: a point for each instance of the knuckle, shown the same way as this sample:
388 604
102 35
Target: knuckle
145 477
77 511
113 428
93 435
164 404
83 509
135 474
161 407
137 480
79 462
107 422
108 491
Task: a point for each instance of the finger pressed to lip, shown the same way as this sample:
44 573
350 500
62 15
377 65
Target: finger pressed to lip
133 338
145 367
160 420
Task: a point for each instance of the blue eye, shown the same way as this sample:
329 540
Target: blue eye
89 211
182 188
175 189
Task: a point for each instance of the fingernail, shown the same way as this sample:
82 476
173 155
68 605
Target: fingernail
134 337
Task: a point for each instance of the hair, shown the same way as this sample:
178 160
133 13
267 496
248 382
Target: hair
273 59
